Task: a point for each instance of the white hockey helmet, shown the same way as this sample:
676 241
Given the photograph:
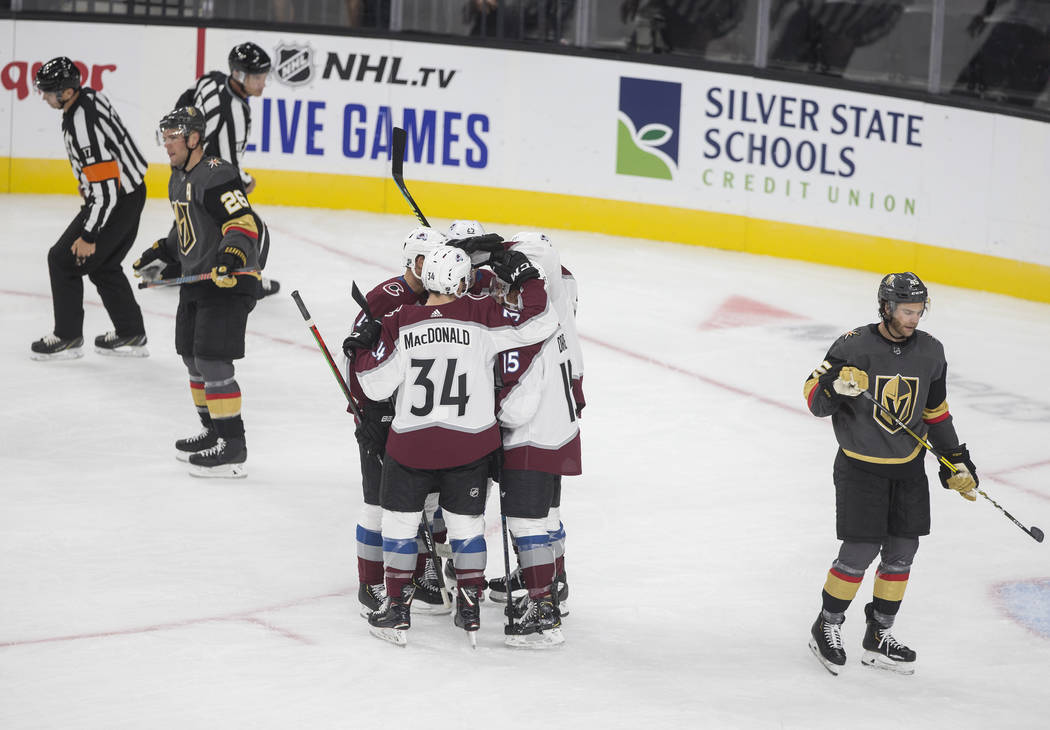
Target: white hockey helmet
420 242
462 229
444 269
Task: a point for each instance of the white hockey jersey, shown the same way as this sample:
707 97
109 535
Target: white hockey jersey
440 362
537 409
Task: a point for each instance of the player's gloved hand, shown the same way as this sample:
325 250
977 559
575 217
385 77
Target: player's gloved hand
513 267
577 396
479 248
229 261
373 428
965 480
851 381
364 337
151 263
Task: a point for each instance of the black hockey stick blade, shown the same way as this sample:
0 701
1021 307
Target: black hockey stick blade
355 292
397 170
1036 533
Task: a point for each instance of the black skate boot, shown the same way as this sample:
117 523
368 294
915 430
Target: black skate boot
206 439
882 650
393 619
450 573
371 597
53 347
826 643
226 459
537 627
268 287
428 596
130 346
468 612
498 586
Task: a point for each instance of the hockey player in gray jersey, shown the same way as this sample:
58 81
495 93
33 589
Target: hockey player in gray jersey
216 233
882 499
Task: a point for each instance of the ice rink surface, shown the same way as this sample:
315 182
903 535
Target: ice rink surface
699 537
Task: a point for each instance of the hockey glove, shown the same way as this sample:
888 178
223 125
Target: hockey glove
373 428
479 248
577 396
151 264
229 261
513 267
965 480
364 337
851 381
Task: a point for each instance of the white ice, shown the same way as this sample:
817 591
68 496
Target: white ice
135 596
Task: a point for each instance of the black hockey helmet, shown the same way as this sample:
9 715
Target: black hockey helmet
903 287
249 58
184 120
57 74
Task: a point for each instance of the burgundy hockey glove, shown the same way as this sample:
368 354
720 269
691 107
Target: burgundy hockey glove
577 396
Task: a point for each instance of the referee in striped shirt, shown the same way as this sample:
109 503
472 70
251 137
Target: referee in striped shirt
228 119
110 170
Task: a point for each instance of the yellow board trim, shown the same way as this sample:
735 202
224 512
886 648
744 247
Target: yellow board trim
616 217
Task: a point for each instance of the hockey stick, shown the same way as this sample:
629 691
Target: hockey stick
1034 532
428 540
506 570
195 277
327 355
397 165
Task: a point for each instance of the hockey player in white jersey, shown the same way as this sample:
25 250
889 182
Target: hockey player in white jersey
438 359
561 385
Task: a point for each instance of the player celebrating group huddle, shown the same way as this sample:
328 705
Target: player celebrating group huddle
439 359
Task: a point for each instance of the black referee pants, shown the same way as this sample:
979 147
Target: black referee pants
103 269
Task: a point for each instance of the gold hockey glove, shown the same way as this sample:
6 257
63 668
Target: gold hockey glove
851 381
965 480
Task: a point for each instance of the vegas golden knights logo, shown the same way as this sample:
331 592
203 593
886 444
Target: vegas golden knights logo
184 226
898 394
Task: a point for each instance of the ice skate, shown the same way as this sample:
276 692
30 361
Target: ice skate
206 439
268 287
428 595
498 586
226 460
468 613
538 627
130 346
826 643
560 593
393 620
53 347
882 650
371 597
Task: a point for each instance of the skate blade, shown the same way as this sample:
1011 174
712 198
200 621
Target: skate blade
183 456
73 354
881 661
397 637
832 668
541 640
473 636
124 351
223 471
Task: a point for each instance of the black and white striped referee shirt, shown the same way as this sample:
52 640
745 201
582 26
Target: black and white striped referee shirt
105 160
227 119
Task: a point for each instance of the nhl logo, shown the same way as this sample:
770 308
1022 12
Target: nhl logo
294 65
